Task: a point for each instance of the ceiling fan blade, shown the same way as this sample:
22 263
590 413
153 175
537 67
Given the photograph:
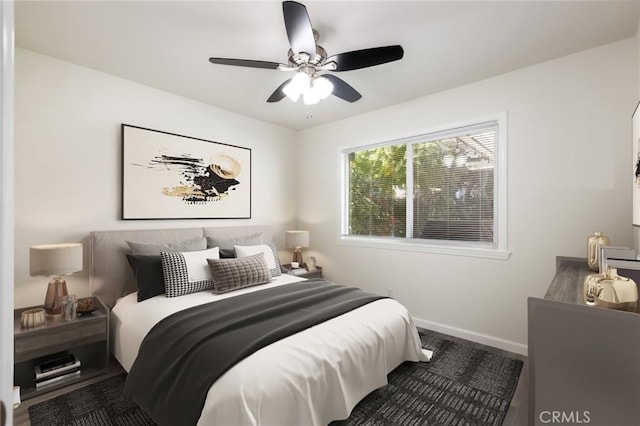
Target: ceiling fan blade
341 89
298 25
366 57
245 63
278 94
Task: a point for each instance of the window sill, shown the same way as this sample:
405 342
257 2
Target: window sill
418 246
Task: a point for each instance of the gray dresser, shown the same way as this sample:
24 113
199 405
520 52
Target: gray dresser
584 361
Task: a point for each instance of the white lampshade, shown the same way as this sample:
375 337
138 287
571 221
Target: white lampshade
310 97
55 259
297 86
323 87
297 239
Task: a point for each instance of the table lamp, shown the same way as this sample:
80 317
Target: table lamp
55 260
297 240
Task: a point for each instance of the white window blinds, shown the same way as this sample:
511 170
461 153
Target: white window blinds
438 187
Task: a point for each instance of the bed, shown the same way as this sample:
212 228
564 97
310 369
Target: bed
311 377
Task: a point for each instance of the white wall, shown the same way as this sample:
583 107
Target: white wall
67 159
568 146
568 176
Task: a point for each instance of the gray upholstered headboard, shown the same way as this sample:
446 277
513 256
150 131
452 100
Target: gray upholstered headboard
111 276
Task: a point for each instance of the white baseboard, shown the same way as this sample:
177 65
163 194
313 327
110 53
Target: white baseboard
472 336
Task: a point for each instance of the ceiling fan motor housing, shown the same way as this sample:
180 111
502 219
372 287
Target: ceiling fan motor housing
310 64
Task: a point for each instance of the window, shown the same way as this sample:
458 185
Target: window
442 191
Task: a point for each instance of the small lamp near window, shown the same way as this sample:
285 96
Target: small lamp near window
55 260
297 240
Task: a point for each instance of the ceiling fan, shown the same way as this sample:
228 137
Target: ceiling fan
311 63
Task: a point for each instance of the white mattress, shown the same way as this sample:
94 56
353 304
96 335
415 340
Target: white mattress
309 378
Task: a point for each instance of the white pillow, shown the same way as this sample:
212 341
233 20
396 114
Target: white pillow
270 255
187 272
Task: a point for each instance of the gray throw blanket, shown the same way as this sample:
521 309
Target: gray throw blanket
184 354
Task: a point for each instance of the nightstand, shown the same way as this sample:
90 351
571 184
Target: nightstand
86 337
317 273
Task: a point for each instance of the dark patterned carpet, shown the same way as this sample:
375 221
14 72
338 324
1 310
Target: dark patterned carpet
461 385
98 404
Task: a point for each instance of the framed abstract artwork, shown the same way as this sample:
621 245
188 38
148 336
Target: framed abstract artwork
169 176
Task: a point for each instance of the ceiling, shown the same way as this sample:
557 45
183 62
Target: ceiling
166 45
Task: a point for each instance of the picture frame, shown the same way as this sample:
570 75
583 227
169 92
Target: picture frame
635 195
171 176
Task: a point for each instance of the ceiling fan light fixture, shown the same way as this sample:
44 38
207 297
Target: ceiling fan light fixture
309 59
298 85
323 87
311 97
291 93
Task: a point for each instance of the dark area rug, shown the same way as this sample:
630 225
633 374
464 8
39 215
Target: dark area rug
100 403
462 385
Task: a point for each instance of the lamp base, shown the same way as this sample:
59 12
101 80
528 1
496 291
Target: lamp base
56 290
297 256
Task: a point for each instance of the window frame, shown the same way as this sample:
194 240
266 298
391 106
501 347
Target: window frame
496 250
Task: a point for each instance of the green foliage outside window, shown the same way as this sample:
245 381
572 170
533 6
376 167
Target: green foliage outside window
450 203
373 206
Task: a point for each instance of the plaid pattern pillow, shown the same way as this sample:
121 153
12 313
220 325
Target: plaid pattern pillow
233 274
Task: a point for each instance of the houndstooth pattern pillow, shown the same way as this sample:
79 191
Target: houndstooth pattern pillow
233 274
270 256
187 272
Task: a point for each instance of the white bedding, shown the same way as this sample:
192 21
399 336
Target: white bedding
310 378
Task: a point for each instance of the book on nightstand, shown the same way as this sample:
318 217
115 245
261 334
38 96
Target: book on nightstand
56 379
297 271
56 368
